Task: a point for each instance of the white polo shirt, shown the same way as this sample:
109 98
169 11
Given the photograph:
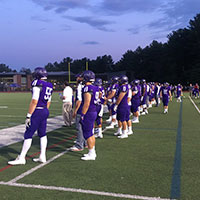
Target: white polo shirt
67 93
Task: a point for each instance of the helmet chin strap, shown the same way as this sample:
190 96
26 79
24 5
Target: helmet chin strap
44 78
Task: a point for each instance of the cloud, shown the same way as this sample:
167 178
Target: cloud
96 23
90 43
116 7
61 6
175 15
39 18
134 30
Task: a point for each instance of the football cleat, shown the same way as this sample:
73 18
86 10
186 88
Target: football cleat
41 160
17 161
99 135
135 121
89 156
111 126
118 133
124 135
130 132
74 148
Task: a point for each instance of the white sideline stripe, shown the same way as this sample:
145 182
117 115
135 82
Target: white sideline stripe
129 196
16 134
3 106
194 105
36 168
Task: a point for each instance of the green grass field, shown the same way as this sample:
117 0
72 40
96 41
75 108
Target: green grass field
161 159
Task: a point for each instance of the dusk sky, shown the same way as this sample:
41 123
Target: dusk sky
35 32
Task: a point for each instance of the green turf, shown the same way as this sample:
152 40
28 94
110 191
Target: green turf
140 165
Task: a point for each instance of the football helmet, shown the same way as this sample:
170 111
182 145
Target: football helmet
114 79
88 76
135 82
166 84
123 79
40 73
98 82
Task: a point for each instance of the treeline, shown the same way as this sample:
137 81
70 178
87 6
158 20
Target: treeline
176 61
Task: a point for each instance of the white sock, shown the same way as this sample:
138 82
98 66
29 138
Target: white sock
124 132
26 147
43 146
92 151
119 130
100 130
129 128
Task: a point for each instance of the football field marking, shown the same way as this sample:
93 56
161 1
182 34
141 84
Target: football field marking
36 168
65 189
15 134
194 105
14 183
3 107
176 177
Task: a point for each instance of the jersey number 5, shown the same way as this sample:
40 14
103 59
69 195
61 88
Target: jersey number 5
48 92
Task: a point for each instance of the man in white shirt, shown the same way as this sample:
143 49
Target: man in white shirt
67 104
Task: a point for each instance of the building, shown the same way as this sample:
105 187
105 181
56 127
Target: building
20 81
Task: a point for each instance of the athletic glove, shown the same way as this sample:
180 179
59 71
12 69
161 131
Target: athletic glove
28 120
115 108
82 119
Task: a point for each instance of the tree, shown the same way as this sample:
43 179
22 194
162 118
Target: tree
25 70
4 68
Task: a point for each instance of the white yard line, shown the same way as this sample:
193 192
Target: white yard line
16 134
14 183
36 168
65 189
194 105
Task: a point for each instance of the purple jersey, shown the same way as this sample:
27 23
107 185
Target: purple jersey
137 90
94 91
165 91
125 89
144 89
101 89
115 87
108 90
46 90
41 113
179 88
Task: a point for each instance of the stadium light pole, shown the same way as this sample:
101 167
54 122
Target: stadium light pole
86 67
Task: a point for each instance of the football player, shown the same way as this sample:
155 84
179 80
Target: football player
165 95
135 101
121 105
112 96
100 102
178 92
90 96
144 97
36 119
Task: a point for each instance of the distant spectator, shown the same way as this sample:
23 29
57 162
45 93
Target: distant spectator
67 104
190 89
